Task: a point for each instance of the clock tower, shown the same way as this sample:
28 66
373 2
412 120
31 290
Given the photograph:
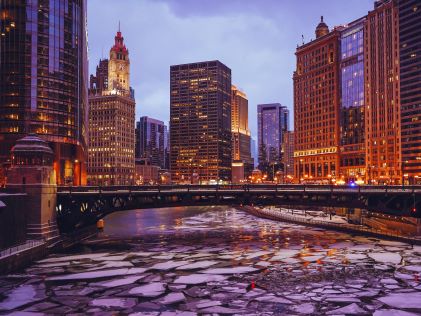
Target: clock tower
119 67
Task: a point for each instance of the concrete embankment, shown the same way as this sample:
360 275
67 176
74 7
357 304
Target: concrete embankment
348 228
20 256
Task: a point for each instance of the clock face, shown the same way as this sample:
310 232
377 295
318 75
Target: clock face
121 67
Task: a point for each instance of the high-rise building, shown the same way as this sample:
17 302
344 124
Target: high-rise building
316 107
288 155
150 141
200 122
382 115
352 107
253 152
112 123
240 131
166 148
272 122
44 81
410 87
99 82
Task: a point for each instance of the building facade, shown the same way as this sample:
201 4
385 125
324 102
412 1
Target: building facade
44 81
288 156
352 106
382 115
150 141
272 123
316 108
241 146
112 124
410 88
99 82
200 122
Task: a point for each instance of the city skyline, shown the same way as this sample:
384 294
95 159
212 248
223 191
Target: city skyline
254 39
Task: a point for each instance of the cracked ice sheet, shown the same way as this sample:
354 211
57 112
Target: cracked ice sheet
114 302
386 257
96 274
149 290
74 258
118 282
402 300
284 254
165 266
20 296
197 265
234 270
199 279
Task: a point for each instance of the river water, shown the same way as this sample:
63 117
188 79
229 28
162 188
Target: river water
218 260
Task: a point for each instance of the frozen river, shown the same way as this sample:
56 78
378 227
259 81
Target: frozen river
209 260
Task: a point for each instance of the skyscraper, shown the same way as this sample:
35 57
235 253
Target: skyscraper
112 123
200 122
382 116
288 155
352 107
410 87
272 122
240 130
316 107
150 141
44 81
99 82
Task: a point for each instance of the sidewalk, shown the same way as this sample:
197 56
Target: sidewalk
333 225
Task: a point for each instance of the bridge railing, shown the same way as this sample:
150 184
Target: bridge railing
246 187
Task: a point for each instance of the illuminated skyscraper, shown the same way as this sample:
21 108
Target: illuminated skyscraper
288 155
272 122
112 123
316 107
150 141
382 116
410 85
352 107
240 131
200 122
44 81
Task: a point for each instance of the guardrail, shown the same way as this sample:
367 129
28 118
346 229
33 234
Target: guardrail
349 227
246 188
12 250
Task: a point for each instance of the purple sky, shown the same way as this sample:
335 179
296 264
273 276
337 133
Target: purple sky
255 38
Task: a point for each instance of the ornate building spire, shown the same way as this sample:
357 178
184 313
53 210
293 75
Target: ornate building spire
118 66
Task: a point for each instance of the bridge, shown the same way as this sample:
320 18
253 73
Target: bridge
80 206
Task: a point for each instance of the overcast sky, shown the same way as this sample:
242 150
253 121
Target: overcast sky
255 38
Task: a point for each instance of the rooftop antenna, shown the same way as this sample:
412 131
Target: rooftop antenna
119 25
302 38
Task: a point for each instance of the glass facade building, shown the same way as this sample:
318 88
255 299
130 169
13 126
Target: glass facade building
44 80
272 122
352 127
150 141
410 84
200 122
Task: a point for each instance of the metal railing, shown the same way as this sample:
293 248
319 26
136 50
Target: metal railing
246 188
15 249
350 227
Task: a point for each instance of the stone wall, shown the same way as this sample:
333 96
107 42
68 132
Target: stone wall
12 219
